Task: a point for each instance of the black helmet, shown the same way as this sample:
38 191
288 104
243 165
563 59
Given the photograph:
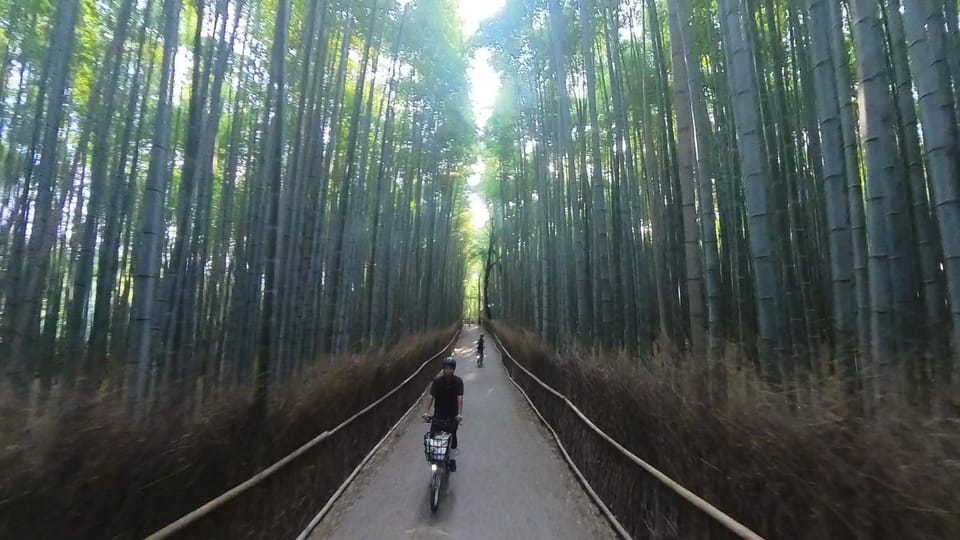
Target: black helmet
450 361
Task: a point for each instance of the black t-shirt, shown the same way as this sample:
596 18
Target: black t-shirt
445 393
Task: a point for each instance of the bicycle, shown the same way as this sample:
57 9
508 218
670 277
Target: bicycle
436 446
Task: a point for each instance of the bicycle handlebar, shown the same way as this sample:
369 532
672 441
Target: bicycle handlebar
427 419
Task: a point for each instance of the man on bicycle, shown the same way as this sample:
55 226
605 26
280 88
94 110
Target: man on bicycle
446 401
480 347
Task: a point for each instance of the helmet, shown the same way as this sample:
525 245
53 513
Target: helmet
450 361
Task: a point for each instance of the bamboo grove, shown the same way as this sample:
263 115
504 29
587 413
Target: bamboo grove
195 193
763 179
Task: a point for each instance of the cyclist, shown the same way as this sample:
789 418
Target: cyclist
480 347
446 401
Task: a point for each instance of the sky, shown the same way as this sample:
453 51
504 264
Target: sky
484 85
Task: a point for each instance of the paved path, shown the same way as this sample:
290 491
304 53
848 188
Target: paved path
511 481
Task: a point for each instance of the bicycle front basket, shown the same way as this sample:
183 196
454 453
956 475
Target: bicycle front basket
435 446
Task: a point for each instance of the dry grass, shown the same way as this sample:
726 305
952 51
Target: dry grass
92 474
785 472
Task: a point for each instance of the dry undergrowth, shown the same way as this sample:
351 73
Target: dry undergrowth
89 473
784 471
